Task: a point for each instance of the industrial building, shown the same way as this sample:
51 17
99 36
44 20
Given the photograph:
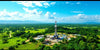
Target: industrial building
52 39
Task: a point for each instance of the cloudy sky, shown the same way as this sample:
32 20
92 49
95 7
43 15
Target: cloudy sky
49 11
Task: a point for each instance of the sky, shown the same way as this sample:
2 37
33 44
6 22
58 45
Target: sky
49 11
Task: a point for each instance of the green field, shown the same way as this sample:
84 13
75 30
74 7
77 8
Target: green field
36 31
28 46
11 42
20 36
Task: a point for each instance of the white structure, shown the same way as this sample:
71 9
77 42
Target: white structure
39 37
55 28
56 36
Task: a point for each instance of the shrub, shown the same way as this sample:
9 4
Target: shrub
41 47
23 42
41 40
18 40
18 43
16 46
2 49
46 48
5 40
11 48
32 40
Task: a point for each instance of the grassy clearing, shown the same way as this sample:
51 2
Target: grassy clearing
11 42
70 27
98 36
0 36
28 46
34 31
54 33
85 37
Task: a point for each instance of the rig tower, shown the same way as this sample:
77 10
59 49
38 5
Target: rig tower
55 28
56 36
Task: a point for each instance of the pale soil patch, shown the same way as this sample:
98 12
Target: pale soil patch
27 40
30 43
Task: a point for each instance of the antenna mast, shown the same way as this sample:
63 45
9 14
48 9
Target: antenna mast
55 28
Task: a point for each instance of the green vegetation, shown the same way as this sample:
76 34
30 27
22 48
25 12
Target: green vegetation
20 36
42 40
28 46
32 40
11 42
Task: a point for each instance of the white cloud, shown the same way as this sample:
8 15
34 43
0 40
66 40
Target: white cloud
46 4
5 15
54 13
25 3
53 3
79 18
71 3
40 12
37 3
30 3
49 15
26 9
34 11
67 2
78 3
77 11
80 14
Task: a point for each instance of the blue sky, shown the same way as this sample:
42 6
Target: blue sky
49 11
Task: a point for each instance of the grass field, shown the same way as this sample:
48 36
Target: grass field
28 46
34 31
11 42
54 33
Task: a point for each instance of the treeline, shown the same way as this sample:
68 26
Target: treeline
79 43
22 27
78 30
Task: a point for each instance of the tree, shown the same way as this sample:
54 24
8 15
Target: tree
32 40
23 42
46 48
63 47
18 33
5 36
18 40
56 47
64 41
5 40
41 40
16 46
1 30
82 45
90 39
70 46
97 48
8 32
41 47
11 48
76 46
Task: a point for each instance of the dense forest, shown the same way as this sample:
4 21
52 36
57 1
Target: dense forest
89 39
